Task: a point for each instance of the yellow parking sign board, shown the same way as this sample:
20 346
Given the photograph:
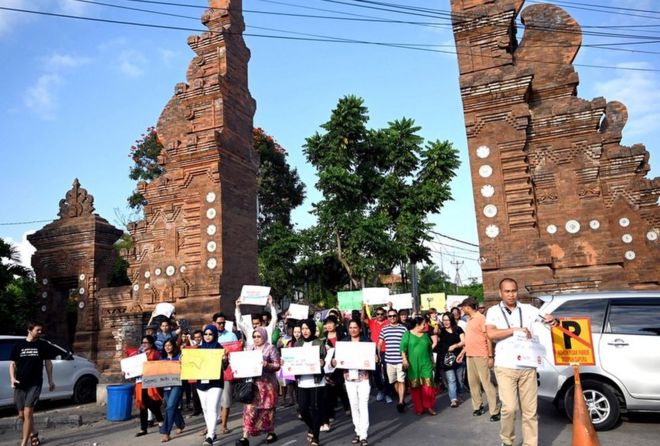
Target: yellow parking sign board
572 341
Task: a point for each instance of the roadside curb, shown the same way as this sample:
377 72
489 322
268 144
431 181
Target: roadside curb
43 422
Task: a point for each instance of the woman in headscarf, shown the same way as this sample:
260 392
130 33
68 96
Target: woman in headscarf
148 399
259 415
210 391
418 361
311 388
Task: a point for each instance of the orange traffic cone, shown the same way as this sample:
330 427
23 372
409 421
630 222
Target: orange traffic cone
584 433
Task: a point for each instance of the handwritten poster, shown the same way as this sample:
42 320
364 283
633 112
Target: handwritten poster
349 300
161 374
401 301
433 300
254 295
297 311
246 364
132 366
201 363
356 355
376 296
301 360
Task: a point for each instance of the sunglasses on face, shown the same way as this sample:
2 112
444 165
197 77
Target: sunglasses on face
220 323
256 336
391 315
380 314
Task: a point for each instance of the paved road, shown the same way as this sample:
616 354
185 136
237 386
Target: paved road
450 426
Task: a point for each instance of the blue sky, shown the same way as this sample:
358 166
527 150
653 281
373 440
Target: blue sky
77 94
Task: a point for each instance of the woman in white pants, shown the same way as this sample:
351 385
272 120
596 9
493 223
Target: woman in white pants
209 391
358 388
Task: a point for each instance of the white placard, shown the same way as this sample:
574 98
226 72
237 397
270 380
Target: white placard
328 368
246 364
163 309
297 311
401 301
375 296
356 355
132 366
301 360
254 295
454 300
526 352
246 321
229 325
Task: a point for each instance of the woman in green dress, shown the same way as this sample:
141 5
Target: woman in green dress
418 360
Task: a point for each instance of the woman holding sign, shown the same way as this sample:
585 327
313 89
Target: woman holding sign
418 360
209 391
259 415
171 395
311 388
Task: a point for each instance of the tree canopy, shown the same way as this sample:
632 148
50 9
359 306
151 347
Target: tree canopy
378 186
18 291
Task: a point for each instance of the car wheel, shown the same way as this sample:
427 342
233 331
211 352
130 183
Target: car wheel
85 390
602 404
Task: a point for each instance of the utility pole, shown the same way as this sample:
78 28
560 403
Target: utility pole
457 279
415 294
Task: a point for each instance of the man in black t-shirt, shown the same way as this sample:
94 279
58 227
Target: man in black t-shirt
26 374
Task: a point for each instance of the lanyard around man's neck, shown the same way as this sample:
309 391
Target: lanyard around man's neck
506 318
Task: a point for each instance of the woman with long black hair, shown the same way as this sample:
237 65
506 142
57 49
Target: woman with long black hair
450 345
148 399
171 395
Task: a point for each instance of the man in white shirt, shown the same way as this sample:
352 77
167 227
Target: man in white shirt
247 329
507 323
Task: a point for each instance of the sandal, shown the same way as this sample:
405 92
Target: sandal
164 438
271 438
355 439
225 431
310 437
314 443
364 443
34 439
139 434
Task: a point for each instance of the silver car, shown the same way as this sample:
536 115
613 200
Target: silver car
626 338
75 377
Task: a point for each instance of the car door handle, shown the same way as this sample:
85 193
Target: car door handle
618 343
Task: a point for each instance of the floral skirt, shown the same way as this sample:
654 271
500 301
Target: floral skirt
258 421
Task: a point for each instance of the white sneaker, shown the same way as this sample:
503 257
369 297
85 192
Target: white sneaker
379 396
325 428
388 399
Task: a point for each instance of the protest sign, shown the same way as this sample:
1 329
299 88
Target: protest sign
201 363
401 301
132 366
375 296
433 300
301 360
299 312
356 355
254 295
246 364
454 300
349 300
526 352
328 368
161 374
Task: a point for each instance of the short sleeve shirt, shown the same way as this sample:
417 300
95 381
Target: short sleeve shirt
391 335
523 316
374 329
29 358
476 341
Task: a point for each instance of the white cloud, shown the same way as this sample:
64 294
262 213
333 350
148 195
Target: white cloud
10 19
640 92
132 63
72 7
58 61
41 97
24 248
167 56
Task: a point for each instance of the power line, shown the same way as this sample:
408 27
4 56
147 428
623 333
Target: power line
453 246
454 255
454 239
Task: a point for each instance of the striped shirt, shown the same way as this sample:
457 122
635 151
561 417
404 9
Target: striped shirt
391 336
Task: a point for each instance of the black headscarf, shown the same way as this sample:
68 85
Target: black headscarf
312 328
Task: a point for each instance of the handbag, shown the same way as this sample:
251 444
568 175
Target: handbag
450 359
244 390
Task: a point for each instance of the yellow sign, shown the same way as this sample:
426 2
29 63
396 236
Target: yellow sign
572 341
201 363
433 300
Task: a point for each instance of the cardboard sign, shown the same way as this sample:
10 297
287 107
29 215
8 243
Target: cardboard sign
254 295
375 296
201 363
301 360
433 300
299 312
349 300
454 300
246 364
572 341
401 301
132 366
356 355
161 374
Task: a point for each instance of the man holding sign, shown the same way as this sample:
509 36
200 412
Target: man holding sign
505 322
248 329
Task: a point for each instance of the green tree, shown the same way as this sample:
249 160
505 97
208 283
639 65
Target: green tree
144 153
18 291
473 289
432 280
378 188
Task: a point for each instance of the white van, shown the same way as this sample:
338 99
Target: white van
626 338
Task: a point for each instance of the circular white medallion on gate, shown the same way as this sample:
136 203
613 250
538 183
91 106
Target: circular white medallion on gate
624 222
81 304
147 274
44 295
81 291
572 226
551 229
210 230
45 281
170 270
487 191
81 277
210 197
210 213
490 210
485 171
627 238
136 287
211 246
594 224
483 151
211 263
630 255
43 308
492 231
652 236
158 271
182 268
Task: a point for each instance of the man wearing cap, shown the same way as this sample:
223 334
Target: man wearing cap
479 352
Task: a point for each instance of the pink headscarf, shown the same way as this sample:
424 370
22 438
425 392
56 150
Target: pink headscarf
264 335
